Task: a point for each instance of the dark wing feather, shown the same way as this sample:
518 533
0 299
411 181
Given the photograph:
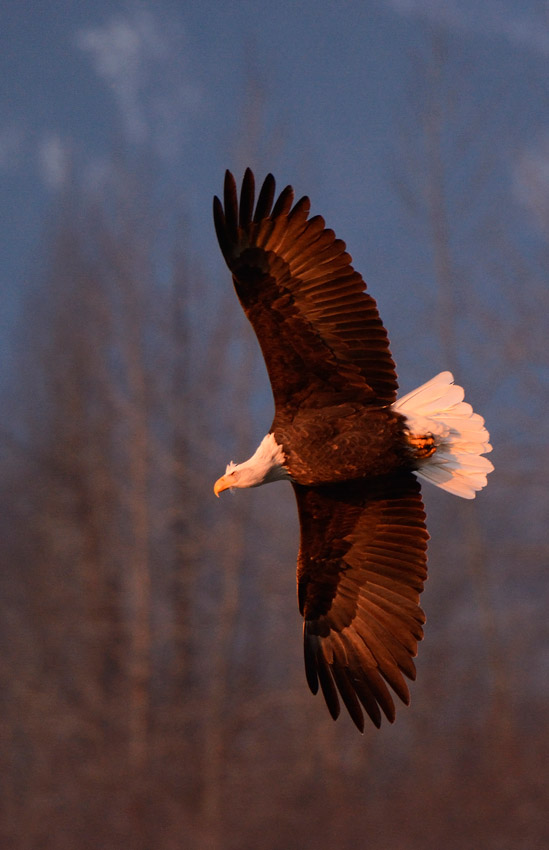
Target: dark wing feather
320 332
361 569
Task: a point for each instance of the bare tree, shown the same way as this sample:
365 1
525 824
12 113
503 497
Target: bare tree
452 184
100 481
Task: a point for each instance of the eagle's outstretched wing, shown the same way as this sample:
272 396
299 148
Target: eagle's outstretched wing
320 332
361 569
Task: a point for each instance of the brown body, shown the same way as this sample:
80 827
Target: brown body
347 442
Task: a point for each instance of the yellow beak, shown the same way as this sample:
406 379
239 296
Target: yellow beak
220 485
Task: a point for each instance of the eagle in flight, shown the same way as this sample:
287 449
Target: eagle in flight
352 452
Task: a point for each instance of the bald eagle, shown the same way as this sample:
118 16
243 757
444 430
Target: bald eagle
352 452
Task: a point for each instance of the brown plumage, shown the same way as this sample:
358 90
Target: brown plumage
338 438
361 568
319 331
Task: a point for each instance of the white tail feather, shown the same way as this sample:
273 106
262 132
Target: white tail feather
461 438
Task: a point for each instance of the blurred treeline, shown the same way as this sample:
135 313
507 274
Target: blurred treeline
152 691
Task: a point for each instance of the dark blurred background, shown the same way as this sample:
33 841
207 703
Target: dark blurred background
151 679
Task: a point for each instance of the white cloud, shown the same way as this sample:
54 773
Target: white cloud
141 61
25 152
118 53
525 25
53 160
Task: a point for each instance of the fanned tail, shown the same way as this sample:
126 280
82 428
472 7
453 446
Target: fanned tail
460 437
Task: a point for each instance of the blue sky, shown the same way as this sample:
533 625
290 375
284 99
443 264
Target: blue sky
169 80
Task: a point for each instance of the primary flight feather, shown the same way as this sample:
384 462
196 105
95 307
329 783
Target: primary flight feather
352 452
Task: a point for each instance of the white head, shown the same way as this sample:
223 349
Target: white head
267 464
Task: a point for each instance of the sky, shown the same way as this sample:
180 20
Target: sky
170 81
